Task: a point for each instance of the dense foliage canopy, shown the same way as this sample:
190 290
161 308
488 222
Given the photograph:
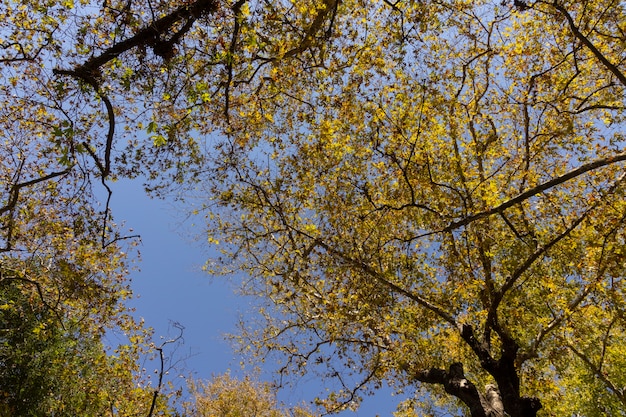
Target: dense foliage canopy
425 194
439 203
225 396
53 359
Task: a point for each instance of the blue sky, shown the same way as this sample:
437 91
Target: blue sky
170 287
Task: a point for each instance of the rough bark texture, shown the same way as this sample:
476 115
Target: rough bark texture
489 404
500 399
455 383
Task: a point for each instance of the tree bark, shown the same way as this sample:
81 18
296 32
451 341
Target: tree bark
491 404
455 383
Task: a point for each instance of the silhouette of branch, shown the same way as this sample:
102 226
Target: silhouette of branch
14 194
583 169
585 41
162 370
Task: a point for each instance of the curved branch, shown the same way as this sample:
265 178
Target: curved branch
162 370
14 194
105 169
15 189
455 383
585 41
19 277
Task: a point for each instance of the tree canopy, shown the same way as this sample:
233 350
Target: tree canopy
53 356
439 204
225 396
425 194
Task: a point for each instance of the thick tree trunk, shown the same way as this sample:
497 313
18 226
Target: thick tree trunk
489 404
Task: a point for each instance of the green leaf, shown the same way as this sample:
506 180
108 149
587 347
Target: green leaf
158 140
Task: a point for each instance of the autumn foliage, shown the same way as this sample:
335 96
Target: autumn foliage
428 195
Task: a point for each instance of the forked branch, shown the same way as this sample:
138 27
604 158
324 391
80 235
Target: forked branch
587 42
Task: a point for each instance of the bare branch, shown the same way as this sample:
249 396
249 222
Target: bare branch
162 370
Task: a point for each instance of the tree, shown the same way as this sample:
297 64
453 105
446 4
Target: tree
86 83
224 396
405 177
53 361
97 91
439 204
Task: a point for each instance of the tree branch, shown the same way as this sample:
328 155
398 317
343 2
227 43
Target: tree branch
162 370
89 72
320 18
146 36
455 383
14 194
236 8
619 393
447 317
583 169
585 41
18 277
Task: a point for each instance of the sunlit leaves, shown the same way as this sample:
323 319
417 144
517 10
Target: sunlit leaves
387 173
409 186
51 345
226 396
